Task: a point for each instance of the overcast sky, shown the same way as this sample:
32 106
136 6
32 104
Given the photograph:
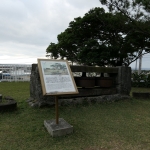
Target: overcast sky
28 26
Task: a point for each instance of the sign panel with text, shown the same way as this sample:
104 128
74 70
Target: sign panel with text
56 77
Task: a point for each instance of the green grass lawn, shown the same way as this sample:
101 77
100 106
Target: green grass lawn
122 125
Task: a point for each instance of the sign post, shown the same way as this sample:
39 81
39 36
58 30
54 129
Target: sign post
56 79
56 110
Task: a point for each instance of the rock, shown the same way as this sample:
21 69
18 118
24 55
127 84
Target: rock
30 99
8 105
8 98
0 97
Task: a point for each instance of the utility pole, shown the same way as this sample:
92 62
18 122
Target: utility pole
140 64
135 65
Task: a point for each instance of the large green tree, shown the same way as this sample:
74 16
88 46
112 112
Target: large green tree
138 11
100 38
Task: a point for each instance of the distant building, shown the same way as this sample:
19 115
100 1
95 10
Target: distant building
15 72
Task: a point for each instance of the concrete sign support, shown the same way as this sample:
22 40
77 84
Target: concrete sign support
56 79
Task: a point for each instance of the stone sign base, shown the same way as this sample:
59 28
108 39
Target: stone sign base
60 129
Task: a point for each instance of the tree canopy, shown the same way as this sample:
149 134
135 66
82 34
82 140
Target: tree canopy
134 9
100 38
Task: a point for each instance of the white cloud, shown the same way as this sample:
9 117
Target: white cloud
27 27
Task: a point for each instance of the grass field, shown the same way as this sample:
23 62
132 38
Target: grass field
122 125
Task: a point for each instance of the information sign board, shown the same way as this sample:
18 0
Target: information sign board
56 77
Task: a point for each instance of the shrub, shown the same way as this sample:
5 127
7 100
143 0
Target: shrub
140 80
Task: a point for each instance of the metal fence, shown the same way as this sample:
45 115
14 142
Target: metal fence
15 72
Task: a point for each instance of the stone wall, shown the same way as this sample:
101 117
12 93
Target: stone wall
121 90
36 94
123 79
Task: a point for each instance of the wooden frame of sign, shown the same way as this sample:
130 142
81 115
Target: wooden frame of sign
56 79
